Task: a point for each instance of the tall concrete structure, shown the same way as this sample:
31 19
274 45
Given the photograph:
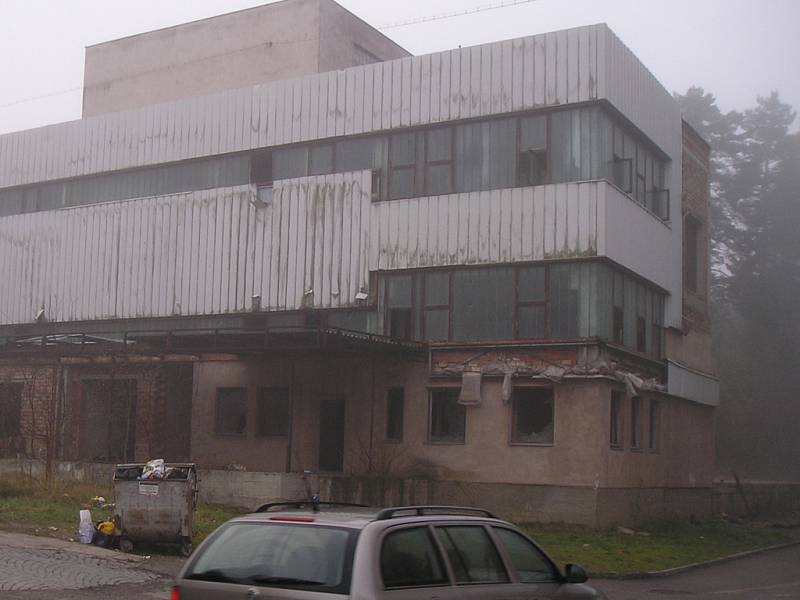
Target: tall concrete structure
484 268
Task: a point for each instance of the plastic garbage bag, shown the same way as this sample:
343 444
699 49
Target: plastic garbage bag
86 528
154 469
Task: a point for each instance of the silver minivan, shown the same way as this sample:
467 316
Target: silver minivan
406 553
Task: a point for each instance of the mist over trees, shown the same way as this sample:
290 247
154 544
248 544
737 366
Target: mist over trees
755 287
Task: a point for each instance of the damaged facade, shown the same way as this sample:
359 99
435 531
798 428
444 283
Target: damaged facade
484 268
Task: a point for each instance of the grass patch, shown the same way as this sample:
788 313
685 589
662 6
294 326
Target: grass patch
27 505
667 545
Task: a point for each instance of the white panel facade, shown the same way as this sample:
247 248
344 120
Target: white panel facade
314 244
512 75
692 385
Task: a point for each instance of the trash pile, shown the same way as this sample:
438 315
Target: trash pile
102 534
153 470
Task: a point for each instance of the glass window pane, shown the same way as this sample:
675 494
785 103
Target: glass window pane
290 162
437 289
472 554
321 160
483 304
438 179
533 133
529 562
499 154
409 559
402 149
532 323
531 284
356 154
468 157
401 183
437 324
399 291
439 144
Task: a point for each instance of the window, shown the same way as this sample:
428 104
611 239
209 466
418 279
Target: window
10 409
436 314
618 318
409 559
402 165
399 303
288 163
395 400
400 323
532 416
532 169
530 564
653 425
439 161
320 160
532 303
483 304
261 167
692 231
472 555
636 422
231 411
357 154
273 412
616 419
447 416
485 155
641 334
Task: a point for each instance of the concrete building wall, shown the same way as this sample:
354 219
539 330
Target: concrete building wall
281 40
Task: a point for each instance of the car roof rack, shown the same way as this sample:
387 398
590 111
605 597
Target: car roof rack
305 503
421 510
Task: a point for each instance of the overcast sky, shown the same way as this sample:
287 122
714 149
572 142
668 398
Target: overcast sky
736 49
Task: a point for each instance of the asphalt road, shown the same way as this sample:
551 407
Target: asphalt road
39 568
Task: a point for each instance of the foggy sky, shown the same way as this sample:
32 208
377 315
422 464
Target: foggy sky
736 49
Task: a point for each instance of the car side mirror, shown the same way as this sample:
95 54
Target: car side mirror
576 574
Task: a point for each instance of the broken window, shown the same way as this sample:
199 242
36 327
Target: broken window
532 416
692 230
10 409
616 419
273 412
636 422
447 417
653 425
532 169
231 411
395 400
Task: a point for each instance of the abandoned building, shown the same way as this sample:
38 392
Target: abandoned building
282 248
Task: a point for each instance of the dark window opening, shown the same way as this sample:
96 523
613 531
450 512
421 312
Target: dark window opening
320 160
273 412
641 334
619 325
108 416
636 422
532 416
653 425
615 436
395 401
231 411
692 231
261 168
447 416
532 167
400 323
656 349
10 409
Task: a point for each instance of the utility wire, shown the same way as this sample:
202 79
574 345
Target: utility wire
426 19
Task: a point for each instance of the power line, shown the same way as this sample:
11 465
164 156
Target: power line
426 19
456 13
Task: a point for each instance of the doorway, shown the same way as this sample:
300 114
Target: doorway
331 435
108 424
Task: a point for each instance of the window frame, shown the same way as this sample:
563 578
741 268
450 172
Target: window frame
430 439
427 164
514 416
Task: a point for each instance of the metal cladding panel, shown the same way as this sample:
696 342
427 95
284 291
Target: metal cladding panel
543 70
692 385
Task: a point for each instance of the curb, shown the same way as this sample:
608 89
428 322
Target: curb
691 566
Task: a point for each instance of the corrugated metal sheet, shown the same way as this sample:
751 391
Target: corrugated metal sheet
543 70
692 385
210 252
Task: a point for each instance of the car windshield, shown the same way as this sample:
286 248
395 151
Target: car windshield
288 555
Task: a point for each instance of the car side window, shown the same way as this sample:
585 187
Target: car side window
409 559
531 565
472 555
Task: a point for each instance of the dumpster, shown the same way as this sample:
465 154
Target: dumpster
155 510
